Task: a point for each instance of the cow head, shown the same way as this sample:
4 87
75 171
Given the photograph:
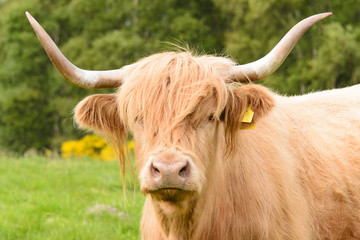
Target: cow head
183 110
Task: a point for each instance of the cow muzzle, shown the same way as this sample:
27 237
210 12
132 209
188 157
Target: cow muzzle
169 176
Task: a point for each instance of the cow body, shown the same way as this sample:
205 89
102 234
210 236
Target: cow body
296 176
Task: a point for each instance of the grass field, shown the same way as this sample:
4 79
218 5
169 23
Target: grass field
44 198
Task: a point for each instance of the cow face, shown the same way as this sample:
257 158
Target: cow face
181 113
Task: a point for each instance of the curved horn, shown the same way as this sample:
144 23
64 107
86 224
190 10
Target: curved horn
79 77
267 65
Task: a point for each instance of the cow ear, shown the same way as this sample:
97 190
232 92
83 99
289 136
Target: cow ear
251 96
100 114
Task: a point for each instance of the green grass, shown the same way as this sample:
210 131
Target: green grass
48 199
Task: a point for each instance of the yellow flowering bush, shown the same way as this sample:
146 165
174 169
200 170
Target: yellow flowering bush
107 154
90 146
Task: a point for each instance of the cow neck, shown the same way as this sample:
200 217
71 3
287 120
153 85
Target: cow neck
177 226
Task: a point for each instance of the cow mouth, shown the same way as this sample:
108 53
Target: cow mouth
170 195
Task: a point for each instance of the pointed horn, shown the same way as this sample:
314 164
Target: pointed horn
267 65
79 77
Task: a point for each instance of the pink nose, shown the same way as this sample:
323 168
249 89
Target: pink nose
170 174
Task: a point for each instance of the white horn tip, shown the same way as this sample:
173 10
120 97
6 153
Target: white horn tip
30 18
28 15
324 15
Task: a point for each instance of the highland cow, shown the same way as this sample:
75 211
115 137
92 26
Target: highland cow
219 160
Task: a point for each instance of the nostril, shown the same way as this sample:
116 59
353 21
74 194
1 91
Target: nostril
154 170
184 171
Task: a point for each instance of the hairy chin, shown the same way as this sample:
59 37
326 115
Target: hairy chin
173 202
171 195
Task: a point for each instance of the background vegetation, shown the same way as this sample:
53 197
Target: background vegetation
36 103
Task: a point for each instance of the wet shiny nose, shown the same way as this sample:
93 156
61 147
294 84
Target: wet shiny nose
170 174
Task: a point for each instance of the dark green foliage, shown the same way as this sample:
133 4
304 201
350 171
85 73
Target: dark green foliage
27 120
36 102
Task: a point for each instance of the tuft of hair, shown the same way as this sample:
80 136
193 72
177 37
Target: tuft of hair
163 91
100 114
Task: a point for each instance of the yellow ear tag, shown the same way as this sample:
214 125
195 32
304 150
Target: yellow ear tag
248 115
247 119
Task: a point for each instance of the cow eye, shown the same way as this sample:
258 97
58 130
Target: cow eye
211 118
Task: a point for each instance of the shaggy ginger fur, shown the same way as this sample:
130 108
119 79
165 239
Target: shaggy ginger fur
296 176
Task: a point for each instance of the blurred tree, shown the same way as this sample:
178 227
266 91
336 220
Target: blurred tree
26 118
